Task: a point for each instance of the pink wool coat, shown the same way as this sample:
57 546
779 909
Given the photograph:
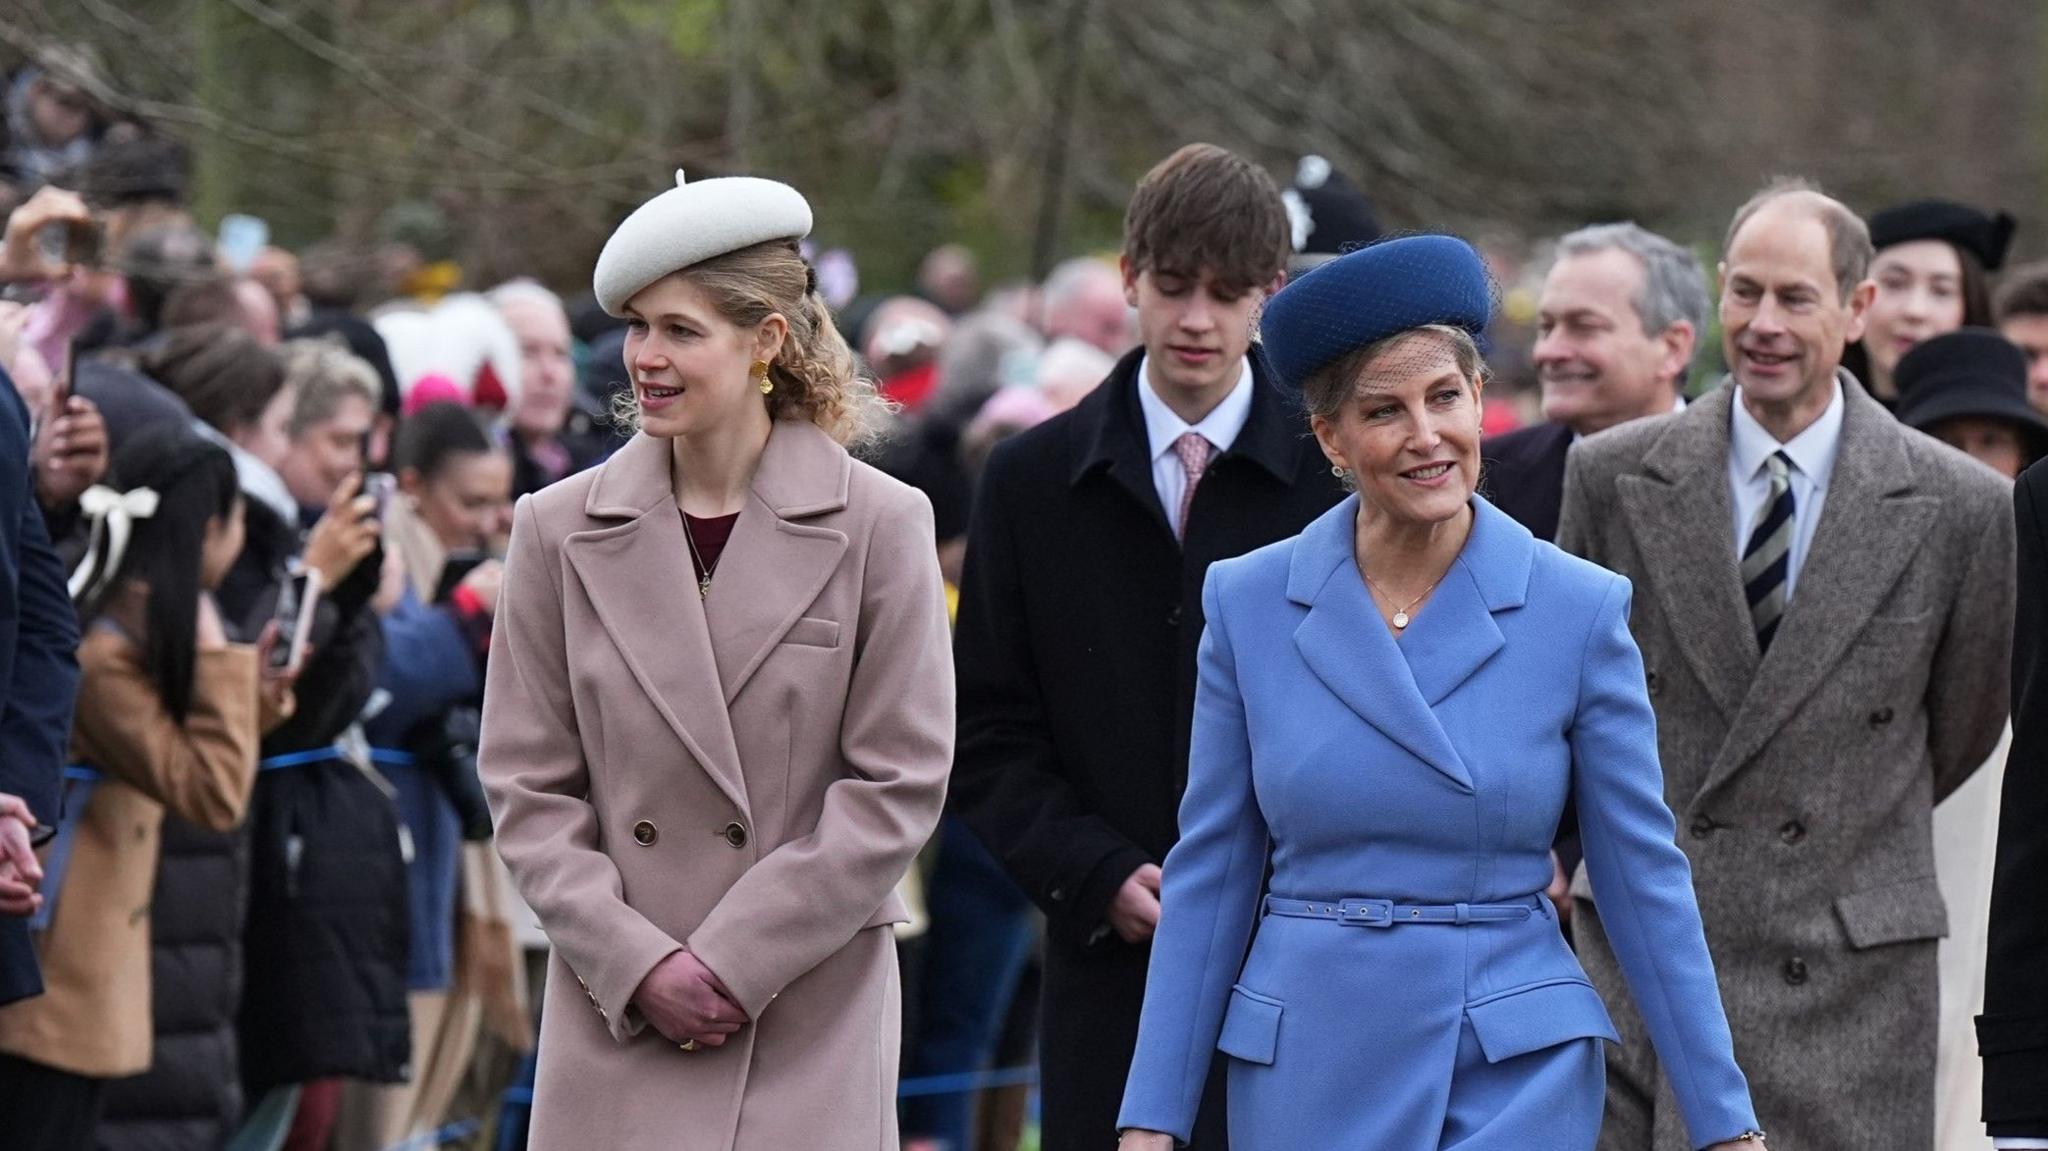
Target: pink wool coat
748 776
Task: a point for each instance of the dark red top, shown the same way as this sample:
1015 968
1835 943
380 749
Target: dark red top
709 535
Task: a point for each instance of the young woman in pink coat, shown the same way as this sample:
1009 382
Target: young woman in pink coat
719 712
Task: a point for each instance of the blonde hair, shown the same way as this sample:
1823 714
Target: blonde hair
1325 391
816 376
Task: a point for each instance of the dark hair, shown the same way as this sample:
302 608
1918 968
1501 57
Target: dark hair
432 436
194 480
2025 292
1207 209
333 274
220 371
210 299
155 261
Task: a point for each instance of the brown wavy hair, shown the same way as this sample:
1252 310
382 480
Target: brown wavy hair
816 376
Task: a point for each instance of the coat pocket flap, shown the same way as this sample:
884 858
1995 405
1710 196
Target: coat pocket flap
1533 1018
1251 1027
1899 913
810 631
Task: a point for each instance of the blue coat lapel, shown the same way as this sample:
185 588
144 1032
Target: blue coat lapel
1454 634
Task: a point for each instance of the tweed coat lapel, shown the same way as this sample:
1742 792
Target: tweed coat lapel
1346 644
775 564
1678 513
637 577
1871 526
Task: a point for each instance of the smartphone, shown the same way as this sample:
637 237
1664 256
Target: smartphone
72 242
297 598
455 570
381 486
242 238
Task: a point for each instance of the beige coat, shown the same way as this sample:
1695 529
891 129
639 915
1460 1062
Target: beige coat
94 1018
747 775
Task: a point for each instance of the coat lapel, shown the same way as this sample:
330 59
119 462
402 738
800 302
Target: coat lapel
1454 634
1347 645
637 577
1678 513
1870 528
1109 436
775 565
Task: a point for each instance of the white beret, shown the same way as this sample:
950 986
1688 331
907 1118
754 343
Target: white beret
691 223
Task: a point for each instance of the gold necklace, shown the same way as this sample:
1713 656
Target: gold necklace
1401 616
703 579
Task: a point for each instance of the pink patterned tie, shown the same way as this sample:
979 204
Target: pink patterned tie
1193 451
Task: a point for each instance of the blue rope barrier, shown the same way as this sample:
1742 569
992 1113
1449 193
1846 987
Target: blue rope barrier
965 1081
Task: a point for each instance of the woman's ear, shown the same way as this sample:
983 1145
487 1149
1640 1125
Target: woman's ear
769 336
1325 433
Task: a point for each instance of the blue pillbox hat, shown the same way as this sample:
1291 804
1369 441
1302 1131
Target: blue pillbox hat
1366 295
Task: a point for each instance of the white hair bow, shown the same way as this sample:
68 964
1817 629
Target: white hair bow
113 514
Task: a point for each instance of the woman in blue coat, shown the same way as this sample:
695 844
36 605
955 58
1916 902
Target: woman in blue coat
1392 709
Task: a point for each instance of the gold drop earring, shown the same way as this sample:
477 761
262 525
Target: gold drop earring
760 374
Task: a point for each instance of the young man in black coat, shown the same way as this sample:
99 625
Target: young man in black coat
2013 1031
1080 611
1616 325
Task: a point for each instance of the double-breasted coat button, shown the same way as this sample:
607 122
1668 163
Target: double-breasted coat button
1880 717
1654 681
735 834
1793 831
1173 616
1795 971
645 833
1703 827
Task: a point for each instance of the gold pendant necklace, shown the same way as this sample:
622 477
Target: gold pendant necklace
704 569
1401 616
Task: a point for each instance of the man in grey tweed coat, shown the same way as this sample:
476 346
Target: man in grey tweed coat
1824 603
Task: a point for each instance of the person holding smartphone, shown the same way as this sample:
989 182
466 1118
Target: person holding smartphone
170 711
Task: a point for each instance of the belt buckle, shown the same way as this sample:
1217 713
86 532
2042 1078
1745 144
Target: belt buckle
1366 912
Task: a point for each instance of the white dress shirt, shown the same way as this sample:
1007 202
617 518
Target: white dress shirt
1749 482
2017 1142
1162 427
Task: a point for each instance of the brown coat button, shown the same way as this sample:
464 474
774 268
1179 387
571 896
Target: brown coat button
1703 827
1795 971
1880 717
735 834
644 833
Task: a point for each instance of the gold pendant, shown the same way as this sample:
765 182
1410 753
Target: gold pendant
704 587
1400 620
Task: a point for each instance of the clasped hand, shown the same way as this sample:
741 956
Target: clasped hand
683 1000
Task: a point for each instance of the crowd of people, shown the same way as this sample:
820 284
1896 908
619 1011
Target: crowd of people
1197 681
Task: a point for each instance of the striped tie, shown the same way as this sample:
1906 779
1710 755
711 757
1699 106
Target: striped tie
1768 558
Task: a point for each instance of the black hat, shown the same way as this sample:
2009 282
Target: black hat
1329 213
1985 237
1968 372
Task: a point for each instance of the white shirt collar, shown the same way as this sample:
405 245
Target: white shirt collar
1220 427
1812 451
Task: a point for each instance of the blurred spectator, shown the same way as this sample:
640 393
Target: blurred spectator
461 338
1069 370
277 270
1968 389
53 119
334 279
2022 312
986 352
169 714
326 926
455 483
136 185
901 345
235 301
544 449
1084 299
950 277
1329 214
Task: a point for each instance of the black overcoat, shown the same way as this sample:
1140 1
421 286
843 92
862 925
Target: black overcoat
1522 474
2013 1031
1079 619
